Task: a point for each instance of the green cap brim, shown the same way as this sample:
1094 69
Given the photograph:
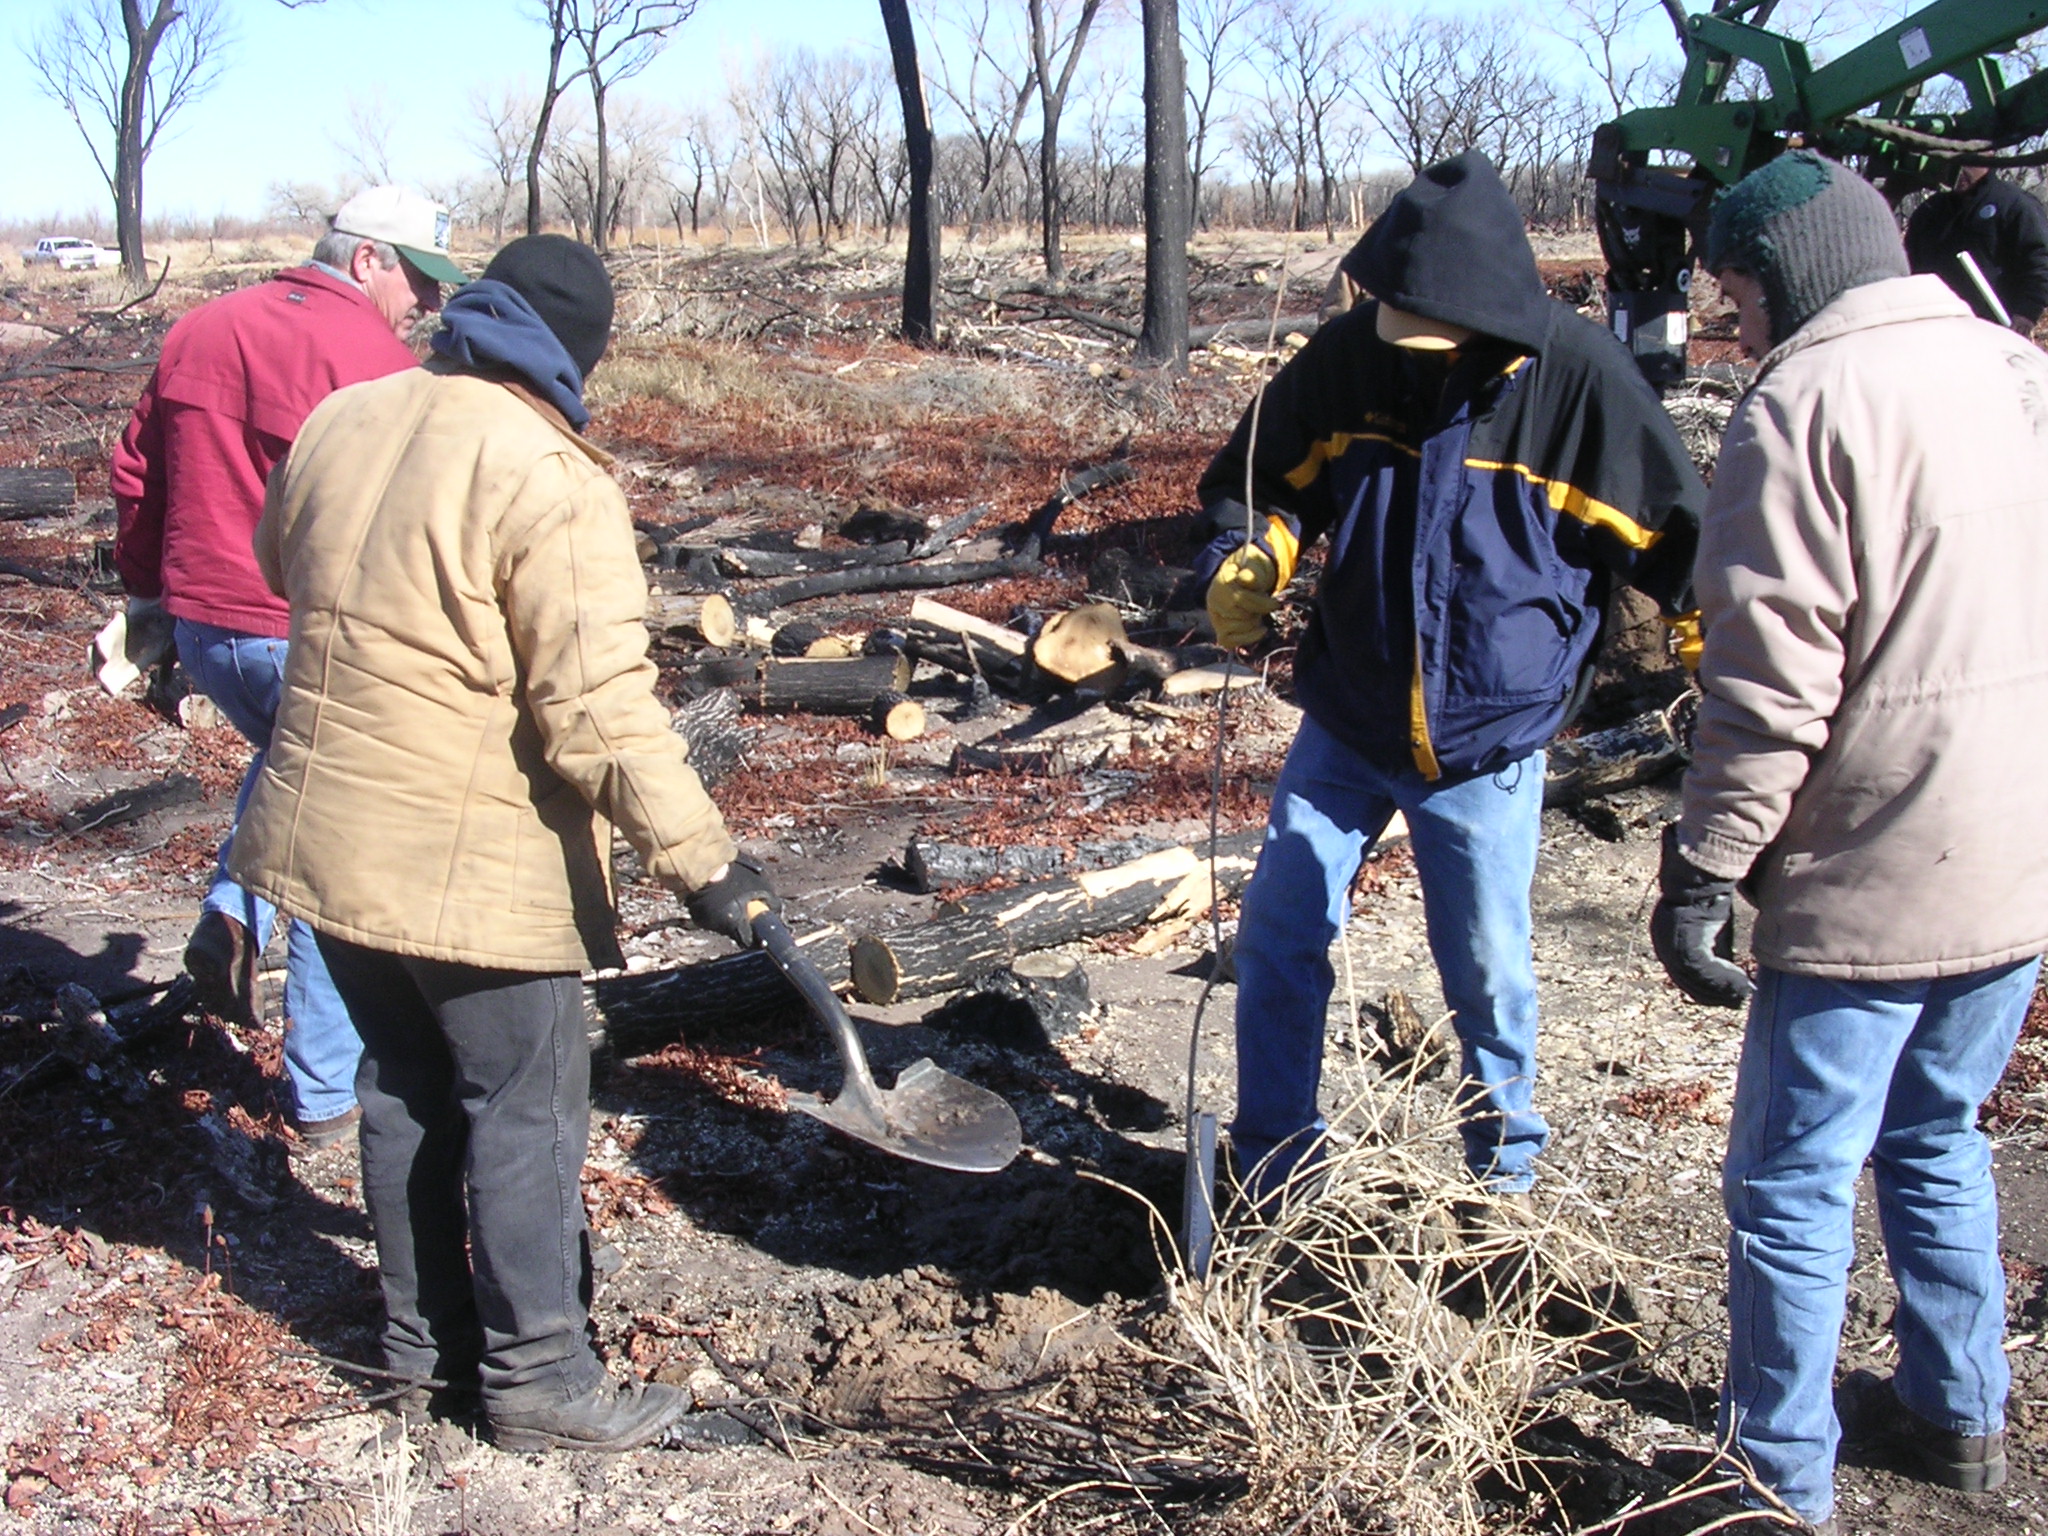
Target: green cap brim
433 264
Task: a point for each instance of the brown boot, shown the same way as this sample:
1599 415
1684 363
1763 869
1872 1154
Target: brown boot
1871 1414
221 958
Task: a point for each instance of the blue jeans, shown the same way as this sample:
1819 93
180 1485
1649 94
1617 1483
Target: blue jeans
1832 1073
1475 851
244 676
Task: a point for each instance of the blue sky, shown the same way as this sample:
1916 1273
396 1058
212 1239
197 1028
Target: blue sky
285 95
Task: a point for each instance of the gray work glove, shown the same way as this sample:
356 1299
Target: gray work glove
1693 930
722 906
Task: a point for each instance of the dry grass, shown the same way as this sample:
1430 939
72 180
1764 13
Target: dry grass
889 391
1384 1333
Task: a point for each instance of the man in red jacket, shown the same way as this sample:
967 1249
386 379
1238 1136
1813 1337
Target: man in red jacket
236 379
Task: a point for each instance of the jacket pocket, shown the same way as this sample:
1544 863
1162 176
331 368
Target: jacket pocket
1515 614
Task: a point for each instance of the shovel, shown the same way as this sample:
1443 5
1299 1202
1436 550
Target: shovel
930 1116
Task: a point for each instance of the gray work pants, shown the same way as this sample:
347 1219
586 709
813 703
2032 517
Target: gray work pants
475 1088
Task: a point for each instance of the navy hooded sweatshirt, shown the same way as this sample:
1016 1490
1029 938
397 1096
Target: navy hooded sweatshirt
1477 504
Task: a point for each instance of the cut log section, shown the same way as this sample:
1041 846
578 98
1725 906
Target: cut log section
1081 647
932 866
930 611
981 934
36 492
1601 762
637 1015
778 685
708 618
896 716
928 959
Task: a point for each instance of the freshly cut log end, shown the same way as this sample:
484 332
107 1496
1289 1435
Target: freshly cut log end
896 716
928 959
708 617
877 977
1081 647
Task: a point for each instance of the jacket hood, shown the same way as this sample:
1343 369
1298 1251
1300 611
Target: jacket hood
1451 246
488 327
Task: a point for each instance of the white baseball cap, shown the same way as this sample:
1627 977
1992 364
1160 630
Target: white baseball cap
417 226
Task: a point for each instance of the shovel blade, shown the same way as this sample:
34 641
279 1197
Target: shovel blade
930 1116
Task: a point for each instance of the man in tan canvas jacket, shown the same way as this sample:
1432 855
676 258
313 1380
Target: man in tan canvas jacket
1866 766
468 712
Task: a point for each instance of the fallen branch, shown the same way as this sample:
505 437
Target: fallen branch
777 562
899 578
1601 762
952 528
1038 530
36 493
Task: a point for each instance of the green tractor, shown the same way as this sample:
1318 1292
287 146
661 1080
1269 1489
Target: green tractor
1656 170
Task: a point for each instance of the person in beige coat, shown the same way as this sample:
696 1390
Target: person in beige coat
1866 768
468 714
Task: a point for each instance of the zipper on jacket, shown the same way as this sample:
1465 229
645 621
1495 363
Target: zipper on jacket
1418 721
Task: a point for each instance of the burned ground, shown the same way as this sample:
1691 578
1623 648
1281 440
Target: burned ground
875 1346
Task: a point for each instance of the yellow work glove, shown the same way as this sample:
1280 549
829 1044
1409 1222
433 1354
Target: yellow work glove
1243 592
1687 640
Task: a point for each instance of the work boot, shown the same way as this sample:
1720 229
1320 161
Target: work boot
221 958
457 1403
611 1416
319 1135
1872 1415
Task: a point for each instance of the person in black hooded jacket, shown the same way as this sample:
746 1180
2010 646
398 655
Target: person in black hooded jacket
1483 463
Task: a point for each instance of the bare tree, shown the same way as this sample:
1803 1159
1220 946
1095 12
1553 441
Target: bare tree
499 122
364 138
1433 86
989 92
1050 39
698 161
1302 56
122 70
1168 211
921 264
617 40
557 16
1216 38
1600 32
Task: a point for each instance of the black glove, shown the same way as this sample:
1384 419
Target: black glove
1693 930
722 905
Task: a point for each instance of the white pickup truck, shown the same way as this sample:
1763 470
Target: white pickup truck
69 253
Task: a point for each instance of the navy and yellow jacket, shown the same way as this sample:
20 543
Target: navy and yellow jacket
1476 512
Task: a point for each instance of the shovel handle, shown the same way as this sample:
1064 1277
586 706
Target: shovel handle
809 981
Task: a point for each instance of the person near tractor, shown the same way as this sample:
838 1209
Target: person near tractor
1865 769
236 378
1483 463
468 713
2002 228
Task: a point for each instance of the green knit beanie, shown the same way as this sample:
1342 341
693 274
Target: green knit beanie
1808 230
